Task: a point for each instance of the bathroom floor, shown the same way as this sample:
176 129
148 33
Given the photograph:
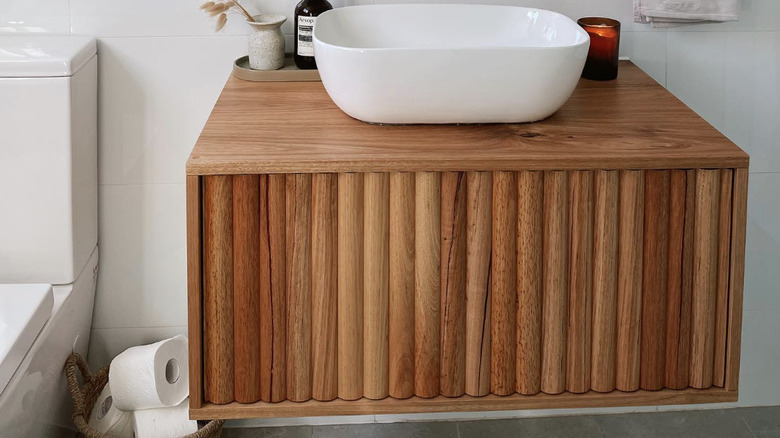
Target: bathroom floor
759 422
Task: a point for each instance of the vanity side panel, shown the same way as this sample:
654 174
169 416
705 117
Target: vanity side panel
736 277
195 289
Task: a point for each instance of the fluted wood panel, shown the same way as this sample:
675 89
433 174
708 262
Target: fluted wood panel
705 275
299 287
273 288
453 284
429 284
401 300
324 287
555 281
218 369
605 238
376 266
503 319
578 347
350 286
246 287
427 231
530 209
631 204
478 215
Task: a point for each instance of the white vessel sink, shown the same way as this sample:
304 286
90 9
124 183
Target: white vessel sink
419 63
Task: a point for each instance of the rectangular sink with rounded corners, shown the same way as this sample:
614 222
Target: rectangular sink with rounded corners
445 63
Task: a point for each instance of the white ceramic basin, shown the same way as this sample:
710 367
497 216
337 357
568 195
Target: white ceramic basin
419 63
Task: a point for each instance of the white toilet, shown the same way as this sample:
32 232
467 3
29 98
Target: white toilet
48 225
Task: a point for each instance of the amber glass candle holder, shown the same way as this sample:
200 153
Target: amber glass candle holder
602 62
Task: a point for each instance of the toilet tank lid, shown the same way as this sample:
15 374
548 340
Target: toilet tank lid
24 309
44 56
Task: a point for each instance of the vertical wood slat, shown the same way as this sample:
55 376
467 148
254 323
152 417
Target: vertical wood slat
736 276
605 235
479 231
375 277
324 288
299 287
724 253
195 289
273 288
218 289
401 285
350 286
246 287
503 319
555 282
427 231
705 276
578 345
654 279
530 211
630 240
453 284
678 306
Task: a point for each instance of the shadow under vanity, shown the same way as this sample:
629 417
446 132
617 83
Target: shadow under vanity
592 259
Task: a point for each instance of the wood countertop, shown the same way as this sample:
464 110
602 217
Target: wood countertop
294 127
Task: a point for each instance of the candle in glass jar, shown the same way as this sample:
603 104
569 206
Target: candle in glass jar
602 62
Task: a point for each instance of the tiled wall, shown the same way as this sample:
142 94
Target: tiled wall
162 68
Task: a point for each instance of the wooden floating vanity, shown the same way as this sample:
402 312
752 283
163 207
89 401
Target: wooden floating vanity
592 259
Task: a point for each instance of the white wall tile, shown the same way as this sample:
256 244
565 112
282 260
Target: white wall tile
648 52
142 281
106 343
695 72
35 16
155 96
758 382
762 276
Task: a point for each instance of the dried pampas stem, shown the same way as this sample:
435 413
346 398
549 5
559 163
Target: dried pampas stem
220 9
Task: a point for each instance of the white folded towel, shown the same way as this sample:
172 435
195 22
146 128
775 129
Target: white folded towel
670 13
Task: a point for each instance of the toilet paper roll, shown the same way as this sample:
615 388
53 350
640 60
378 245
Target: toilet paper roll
164 422
105 416
151 376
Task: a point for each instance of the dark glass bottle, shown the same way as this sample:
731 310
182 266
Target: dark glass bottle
305 16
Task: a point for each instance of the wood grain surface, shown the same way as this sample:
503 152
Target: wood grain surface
246 287
555 281
631 205
503 319
705 277
195 288
736 277
324 286
427 231
273 288
530 213
724 255
299 287
376 267
453 284
479 231
218 371
401 299
350 285
678 301
629 123
580 307
605 244
654 279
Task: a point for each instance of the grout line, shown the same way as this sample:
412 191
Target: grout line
748 426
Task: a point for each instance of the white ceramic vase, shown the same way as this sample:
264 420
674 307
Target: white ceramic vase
266 42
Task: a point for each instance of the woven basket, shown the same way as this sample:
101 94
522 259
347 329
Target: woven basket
84 398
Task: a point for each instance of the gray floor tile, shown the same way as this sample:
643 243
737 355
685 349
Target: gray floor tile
268 432
764 422
393 430
553 427
721 423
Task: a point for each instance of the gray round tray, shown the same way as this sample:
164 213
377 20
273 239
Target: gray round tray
288 73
